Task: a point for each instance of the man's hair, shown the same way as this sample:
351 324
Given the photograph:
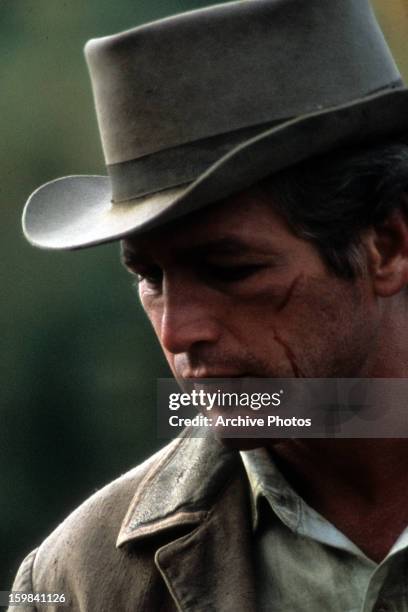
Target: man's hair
331 200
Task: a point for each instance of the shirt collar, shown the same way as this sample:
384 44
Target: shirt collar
267 482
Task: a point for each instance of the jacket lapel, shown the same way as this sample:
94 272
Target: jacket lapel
210 568
197 488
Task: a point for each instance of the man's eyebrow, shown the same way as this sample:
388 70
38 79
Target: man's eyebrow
218 246
129 255
222 246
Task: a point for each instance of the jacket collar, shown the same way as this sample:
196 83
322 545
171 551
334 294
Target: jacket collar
180 487
197 485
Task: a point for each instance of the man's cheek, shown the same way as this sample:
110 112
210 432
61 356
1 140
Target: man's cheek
276 295
154 313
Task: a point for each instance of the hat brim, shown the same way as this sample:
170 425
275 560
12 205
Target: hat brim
76 211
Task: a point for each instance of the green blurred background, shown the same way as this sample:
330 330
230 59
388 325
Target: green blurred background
78 361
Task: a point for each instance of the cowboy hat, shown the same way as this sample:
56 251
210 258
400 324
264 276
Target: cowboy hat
196 107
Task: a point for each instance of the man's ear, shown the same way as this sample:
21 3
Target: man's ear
387 253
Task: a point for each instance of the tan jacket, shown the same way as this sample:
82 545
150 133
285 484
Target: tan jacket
184 544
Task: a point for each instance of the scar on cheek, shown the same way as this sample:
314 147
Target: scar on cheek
287 297
290 355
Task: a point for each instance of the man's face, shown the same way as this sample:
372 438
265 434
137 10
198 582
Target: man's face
231 292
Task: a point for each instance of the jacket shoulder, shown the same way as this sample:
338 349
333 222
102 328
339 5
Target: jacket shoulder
81 557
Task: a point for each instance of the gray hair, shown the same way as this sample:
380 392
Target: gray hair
330 200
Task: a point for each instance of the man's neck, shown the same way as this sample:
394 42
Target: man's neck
358 485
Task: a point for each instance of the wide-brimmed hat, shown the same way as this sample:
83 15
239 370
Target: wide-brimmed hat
196 107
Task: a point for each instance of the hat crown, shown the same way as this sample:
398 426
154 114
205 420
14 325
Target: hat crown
232 66
195 108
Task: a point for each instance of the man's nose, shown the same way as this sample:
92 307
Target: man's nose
188 317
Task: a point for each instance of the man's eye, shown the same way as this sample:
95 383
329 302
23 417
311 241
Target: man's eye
232 273
153 275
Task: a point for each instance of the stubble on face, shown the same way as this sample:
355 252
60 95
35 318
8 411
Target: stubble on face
291 317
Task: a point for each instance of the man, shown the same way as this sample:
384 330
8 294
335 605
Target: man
258 174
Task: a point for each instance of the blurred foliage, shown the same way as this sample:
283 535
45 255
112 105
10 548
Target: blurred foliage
78 361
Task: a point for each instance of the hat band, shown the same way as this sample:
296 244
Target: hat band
176 166
185 163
